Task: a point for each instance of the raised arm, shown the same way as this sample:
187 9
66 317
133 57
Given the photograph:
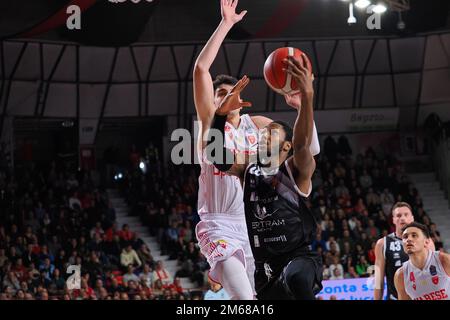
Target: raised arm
295 102
379 270
302 162
202 80
399 282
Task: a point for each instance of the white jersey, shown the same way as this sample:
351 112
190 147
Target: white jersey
431 283
219 192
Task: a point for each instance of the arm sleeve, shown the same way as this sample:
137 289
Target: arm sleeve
219 124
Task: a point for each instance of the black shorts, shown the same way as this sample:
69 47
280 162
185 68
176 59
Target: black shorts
299 279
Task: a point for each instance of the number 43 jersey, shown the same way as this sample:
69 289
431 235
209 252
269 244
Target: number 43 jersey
394 257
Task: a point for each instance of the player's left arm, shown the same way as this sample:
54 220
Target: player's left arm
232 164
303 161
261 121
399 283
445 261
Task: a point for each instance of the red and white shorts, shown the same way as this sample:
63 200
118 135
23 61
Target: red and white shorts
221 236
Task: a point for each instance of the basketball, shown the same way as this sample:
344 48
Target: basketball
280 81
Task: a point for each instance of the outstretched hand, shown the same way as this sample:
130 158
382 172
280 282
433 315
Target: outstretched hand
232 101
297 67
228 10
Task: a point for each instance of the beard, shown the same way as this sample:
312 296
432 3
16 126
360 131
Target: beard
265 161
263 157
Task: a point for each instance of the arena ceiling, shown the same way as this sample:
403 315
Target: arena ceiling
105 23
84 76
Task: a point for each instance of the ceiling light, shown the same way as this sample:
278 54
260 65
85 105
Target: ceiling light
380 7
351 19
362 4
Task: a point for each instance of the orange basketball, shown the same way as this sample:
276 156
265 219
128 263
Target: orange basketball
280 81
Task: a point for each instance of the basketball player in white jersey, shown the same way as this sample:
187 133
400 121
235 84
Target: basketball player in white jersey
426 275
389 253
222 232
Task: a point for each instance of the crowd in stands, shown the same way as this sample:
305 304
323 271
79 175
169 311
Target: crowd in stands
52 217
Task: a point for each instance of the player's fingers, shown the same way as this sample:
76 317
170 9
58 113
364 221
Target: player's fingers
293 67
294 74
305 62
235 3
246 104
295 60
242 14
300 63
242 83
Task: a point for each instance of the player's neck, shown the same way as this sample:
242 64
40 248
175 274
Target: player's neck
398 233
234 119
419 259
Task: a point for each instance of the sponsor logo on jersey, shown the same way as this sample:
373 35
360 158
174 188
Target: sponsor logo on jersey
251 139
222 243
261 226
281 238
261 212
433 270
434 276
436 295
412 278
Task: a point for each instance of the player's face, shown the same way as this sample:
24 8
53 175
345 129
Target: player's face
269 143
220 93
413 240
402 216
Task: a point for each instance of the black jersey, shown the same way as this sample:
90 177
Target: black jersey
394 256
280 225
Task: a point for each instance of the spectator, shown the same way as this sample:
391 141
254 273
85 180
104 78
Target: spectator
130 276
215 292
158 287
365 180
362 266
160 273
336 265
336 274
125 234
12 282
129 257
372 231
146 276
145 255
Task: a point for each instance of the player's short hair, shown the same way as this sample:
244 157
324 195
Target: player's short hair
420 226
401 204
224 79
287 129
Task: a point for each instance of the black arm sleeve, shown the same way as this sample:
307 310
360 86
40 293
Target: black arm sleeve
219 124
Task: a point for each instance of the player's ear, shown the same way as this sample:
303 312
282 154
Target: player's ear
287 146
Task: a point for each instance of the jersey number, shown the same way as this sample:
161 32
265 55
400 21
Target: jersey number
395 246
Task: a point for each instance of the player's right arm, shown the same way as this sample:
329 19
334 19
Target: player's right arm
302 160
202 80
399 282
379 270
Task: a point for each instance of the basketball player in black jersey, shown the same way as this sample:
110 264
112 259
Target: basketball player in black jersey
279 224
389 253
